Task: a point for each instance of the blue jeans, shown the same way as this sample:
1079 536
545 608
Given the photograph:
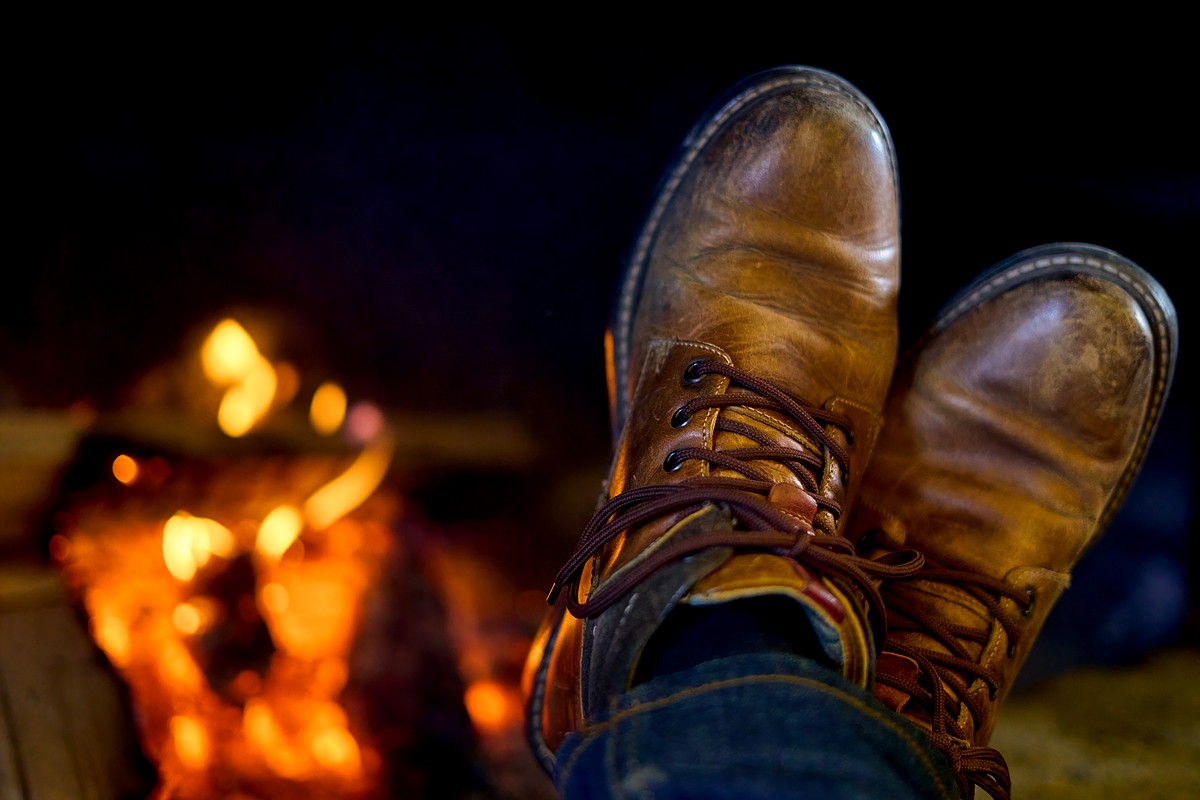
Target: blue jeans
765 725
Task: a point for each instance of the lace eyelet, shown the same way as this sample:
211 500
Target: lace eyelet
680 418
691 373
1032 595
1012 649
672 462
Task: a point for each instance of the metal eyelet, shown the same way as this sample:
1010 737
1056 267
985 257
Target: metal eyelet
672 462
691 373
1032 595
680 418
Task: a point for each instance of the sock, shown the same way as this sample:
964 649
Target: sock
692 635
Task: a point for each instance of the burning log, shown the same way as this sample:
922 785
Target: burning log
278 624
268 662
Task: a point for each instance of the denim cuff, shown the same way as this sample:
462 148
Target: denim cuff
764 725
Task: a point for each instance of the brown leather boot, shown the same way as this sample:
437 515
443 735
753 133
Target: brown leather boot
750 353
1012 434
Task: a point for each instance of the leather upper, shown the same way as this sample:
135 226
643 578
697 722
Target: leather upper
777 239
772 254
1012 434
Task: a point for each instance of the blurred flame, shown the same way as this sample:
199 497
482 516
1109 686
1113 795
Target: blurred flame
335 748
247 402
125 469
492 706
195 615
228 354
178 668
274 598
156 582
188 543
278 530
311 608
231 358
287 382
348 491
186 618
191 741
328 408
112 634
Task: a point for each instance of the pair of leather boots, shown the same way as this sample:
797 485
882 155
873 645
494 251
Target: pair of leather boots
922 513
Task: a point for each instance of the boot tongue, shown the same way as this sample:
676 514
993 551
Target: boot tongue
778 431
752 575
773 428
838 630
794 500
713 575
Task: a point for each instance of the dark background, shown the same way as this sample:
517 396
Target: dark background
446 216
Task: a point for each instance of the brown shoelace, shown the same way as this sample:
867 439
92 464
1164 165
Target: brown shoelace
759 523
955 667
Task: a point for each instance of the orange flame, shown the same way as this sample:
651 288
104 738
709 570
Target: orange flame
348 491
328 408
149 574
231 358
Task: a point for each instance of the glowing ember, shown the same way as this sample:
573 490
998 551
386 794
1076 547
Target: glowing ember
351 488
231 358
328 408
247 402
188 543
493 705
232 618
277 532
125 469
228 355
266 722
231 597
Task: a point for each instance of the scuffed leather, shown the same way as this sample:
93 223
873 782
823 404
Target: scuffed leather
781 245
1011 436
774 247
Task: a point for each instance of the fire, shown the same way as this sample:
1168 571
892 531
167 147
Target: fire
191 741
336 749
186 617
112 634
152 592
230 595
231 611
328 408
352 487
277 532
493 706
189 542
230 357
228 354
125 469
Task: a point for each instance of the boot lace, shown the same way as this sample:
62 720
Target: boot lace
759 523
953 667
